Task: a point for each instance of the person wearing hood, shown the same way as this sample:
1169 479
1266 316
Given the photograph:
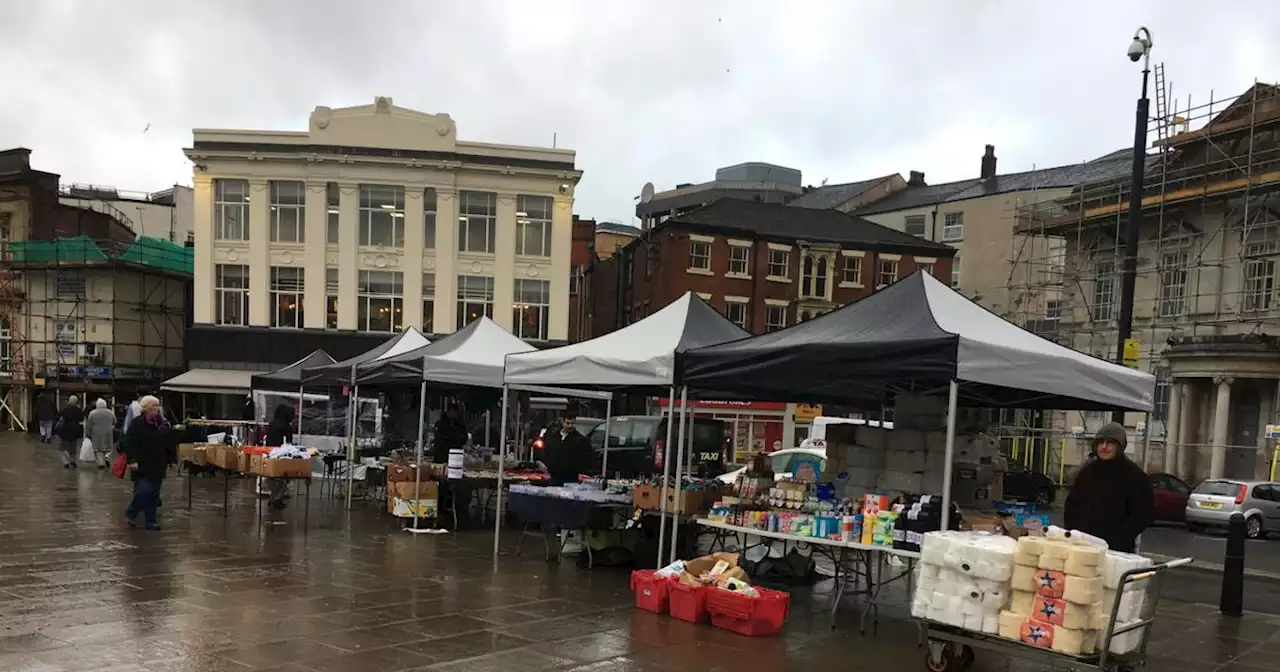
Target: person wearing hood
100 427
1111 497
279 432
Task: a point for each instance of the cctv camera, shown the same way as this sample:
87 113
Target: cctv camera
1137 49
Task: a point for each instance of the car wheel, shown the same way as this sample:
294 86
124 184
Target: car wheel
1044 496
1253 527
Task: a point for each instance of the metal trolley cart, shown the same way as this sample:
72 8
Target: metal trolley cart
951 649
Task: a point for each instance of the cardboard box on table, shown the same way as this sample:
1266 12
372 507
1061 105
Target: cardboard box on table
647 497
186 452
286 468
691 501
255 464
200 454
397 473
405 490
244 463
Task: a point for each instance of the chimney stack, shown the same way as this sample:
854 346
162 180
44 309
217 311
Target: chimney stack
915 179
989 163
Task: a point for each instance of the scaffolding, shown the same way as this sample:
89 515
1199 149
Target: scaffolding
85 316
1208 259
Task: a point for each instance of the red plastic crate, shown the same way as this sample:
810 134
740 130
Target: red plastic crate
688 603
751 616
651 591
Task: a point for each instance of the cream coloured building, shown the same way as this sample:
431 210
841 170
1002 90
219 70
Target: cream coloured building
375 219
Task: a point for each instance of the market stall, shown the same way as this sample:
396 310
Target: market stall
917 337
641 357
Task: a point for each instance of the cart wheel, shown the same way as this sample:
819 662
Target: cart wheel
938 657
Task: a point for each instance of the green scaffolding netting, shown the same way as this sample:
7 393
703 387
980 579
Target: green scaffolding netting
144 251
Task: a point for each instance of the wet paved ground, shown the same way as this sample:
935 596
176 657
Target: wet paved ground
79 591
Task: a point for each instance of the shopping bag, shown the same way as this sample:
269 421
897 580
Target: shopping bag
86 451
120 466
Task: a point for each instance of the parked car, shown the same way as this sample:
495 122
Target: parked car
637 443
1212 503
1024 485
1172 494
784 463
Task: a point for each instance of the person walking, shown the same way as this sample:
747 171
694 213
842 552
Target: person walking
69 429
1111 497
279 432
100 428
46 415
147 447
134 409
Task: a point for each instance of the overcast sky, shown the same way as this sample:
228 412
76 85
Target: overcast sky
648 90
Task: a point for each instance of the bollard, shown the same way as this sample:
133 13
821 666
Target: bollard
1232 600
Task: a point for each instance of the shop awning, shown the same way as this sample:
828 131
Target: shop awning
640 356
915 337
210 381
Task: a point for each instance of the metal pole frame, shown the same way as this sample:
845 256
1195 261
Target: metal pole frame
417 460
675 523
353 409
608 428
502 470
666 471
953 396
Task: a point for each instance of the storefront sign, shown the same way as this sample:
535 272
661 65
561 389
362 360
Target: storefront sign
806 413
729 405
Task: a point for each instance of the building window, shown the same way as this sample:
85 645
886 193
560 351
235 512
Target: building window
231 286
739 260
429 302
381 301
779 264
530 314
925 267
813 277
955 271
231 209
6 345
429 205
477 222
953 226
1053 309
332 214
736 311
700 255
914 225
888 272
330 298
288 203
286 296
1164 388
775 318
381 215
1173 284
851 270
475 298
533 226
1259 284
1104 291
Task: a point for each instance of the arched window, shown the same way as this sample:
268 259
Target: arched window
806 276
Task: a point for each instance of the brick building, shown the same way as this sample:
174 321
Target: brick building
764 265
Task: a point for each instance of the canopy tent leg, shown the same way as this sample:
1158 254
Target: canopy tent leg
520 435
502 471
487 426
608 427
666 471
675 523
950 454
417 460
351 448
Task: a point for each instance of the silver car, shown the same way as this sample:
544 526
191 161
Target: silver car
1212 503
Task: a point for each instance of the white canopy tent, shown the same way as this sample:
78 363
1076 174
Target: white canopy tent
641 357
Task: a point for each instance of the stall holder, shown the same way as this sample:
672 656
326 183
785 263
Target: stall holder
863 561
564 514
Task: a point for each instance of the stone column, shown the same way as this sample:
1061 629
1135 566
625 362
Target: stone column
504 283
446 263
1172 427
348 243
561 267
202 224
316 220
259 253
1221 423
1186 431
411 256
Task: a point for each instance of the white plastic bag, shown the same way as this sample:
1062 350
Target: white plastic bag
87 453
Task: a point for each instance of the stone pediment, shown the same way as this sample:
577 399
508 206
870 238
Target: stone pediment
383 125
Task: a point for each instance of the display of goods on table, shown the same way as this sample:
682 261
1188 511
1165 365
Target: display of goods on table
575 492
1055 591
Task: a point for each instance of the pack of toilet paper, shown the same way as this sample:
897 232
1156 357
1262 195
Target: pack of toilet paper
962 579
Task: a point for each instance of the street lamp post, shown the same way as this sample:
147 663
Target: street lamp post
1139 49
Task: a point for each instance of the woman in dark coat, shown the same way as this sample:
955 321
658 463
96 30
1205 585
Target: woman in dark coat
279 432
148 448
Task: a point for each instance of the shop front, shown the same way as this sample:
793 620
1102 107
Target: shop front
753 426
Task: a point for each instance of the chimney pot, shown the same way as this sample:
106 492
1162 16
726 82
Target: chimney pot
916 179
989 163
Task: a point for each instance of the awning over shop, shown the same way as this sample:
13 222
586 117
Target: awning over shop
639 356
915 337
210 381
